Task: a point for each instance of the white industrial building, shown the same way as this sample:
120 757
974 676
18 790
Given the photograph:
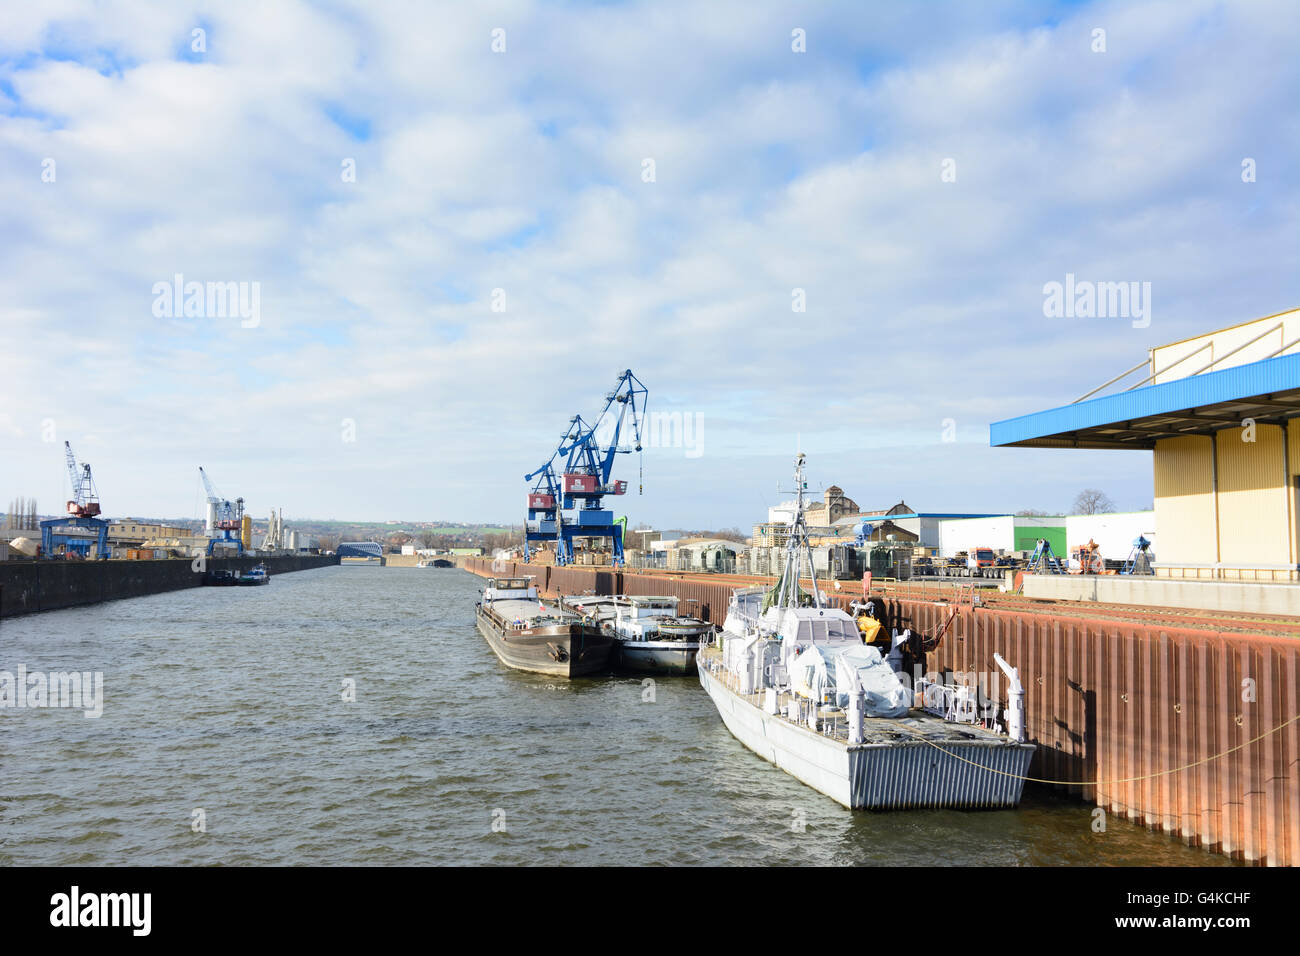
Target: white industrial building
926 525
1005 533
950 533
1114 533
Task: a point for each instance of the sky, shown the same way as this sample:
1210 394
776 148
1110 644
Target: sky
824 226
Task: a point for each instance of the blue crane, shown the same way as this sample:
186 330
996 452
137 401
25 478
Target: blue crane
568 503
83 516
223 515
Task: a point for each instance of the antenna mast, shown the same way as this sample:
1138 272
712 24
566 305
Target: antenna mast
797 547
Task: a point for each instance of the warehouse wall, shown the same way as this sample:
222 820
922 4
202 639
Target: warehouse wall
1222 342
927 531
1293 487
1001 533
1029 528
1249 527
1253 525
1184 500
964 534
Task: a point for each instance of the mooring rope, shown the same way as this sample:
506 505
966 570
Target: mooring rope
1098 783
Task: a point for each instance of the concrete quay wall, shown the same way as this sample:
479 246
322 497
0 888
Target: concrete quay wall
30 586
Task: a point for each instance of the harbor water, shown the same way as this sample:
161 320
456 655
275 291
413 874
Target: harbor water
353 715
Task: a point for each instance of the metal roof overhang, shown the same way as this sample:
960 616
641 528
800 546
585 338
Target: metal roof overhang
1266 391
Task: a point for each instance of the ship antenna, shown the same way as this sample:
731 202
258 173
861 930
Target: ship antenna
797 546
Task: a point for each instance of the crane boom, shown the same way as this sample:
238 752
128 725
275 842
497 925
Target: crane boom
73 472
85 501
225 515
207 486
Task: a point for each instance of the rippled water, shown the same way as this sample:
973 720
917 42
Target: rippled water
230 700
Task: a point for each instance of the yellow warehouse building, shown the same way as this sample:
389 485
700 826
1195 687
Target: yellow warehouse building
1221 414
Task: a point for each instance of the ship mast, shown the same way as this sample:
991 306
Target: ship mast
796 547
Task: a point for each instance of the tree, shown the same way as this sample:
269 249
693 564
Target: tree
22 515
1031 513
1090 501
503 541
427 539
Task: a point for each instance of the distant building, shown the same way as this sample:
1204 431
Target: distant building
1005 533
134 530
925 525
832 509
770 534
1113 533
640 539
703 554
889 531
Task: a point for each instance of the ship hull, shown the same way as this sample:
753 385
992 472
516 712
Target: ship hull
658 657
913 775
563 650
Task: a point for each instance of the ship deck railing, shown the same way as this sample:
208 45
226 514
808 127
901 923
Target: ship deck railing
832 721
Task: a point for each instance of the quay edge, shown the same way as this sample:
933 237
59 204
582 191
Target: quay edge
27 587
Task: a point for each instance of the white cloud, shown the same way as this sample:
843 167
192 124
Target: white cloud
521 171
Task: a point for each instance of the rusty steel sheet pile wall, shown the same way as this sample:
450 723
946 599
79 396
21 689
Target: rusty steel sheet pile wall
701 599
1124 705
1150 722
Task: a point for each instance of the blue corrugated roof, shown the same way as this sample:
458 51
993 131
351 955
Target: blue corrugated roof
1103 422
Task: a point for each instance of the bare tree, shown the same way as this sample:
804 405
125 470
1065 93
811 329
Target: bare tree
1090 501
22 515
427 539
504 541
1031 513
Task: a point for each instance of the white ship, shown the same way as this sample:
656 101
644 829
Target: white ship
651 636
794 682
